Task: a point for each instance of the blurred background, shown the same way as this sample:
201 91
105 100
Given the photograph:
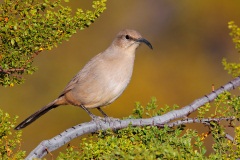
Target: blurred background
189 38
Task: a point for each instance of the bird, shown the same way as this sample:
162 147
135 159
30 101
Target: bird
102 80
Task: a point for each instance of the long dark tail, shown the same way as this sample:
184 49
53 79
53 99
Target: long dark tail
36 115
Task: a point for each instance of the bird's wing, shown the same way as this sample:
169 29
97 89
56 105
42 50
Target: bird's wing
70 85
83 75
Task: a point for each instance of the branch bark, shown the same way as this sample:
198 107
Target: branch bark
89 127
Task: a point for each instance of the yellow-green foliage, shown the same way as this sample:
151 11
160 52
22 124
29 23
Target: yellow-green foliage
29 27
10 141
233 68
139 143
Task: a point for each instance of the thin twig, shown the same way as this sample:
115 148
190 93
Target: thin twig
22 69
205 121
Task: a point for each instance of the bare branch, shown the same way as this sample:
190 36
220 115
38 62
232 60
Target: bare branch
90 127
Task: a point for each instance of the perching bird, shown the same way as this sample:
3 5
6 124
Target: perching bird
102 80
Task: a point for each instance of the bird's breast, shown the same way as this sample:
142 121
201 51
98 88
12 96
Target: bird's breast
117 77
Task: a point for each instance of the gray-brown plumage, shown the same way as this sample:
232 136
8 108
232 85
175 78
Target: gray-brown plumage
102 80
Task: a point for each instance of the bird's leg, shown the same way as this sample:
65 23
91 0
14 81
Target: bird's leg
90 113
107 118
103 113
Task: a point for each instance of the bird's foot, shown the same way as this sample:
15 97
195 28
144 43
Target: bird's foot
97 118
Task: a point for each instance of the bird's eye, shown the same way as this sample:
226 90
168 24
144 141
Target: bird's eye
127 37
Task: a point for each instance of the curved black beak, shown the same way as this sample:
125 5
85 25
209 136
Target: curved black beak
145 41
